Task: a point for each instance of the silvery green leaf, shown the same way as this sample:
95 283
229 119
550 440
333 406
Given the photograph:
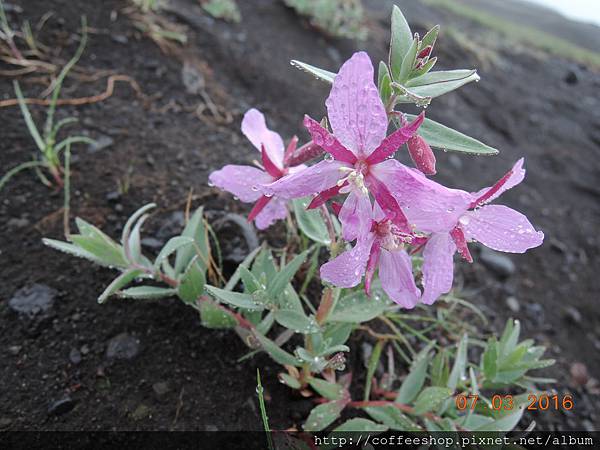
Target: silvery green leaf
408 62
356 307
430 37
237 299
251 284
510 337
504 423
310 221
285 275
290 381
441 76
320 74
439 369
170 247
360 425
415 380
433 89
277 353
264 266
426 68
324 415
214 317
192 283
431 398
233 280
337 333
110 255
401 41
135 246
119 283
371 367
392 417
147 292
73 249
334 349
384 80
195 229
460 363
131 221
476 421
266 323
290 301
331 391
440 136
296 321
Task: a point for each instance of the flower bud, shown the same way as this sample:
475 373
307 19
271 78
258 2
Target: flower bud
421 154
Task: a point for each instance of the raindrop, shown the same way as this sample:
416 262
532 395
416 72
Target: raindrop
328 157
210 184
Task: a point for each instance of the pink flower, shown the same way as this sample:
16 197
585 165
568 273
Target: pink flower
382 247
245 182
455 217
358 150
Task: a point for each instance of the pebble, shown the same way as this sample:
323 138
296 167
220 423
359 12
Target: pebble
15 349
85 349
75 356
5 422
100 143
113 196
513 304
161 388
61 406
141 412
192 78
17 223
498 263
123 346
33 300
572 314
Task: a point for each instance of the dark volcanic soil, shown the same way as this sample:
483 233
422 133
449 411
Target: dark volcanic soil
187 377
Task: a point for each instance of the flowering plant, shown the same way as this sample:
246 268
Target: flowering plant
395 233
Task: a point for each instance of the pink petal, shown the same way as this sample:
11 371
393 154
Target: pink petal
397 280
255 129
275 210
355 215
242 181
328 141
322 197
387 202
393 142
260 204
509 180
347 269
428 205
438 267
372 266
501 228
323 175
355 110
461 243
270 167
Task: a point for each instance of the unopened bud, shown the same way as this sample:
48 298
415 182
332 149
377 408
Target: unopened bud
421 154
425 52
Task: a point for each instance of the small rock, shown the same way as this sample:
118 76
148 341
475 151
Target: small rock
141 412
211 428
32 300
498 263
192 78
5 422
161 389
100 143
152 243
85 349
579 374
17 223
573 314
75 356
61 406
571 77
15 349
120 38
123 346
113 196
513 304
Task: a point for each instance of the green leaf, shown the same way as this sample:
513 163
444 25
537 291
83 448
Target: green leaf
72 249
426 68
408 62
147 292
324 415
360 425
440 136
135 246
237 299
296 321
331 391
119 283
441 76
431 398
251 284
320 74
310 221
284 276
196 230
170 247
392 417
439 369
277 353
505 423
384 80
433 89
192 283
337 334
245 263
401 41
104 251
460 363
356 307
413 383
371 367
214 317
132 219
430 37
490 359
264 267
510 337
289 381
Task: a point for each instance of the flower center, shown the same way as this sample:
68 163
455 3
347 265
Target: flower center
390 237
355 176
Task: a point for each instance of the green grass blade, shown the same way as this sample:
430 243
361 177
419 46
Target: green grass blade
35 134
15 170
263 410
